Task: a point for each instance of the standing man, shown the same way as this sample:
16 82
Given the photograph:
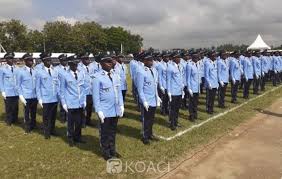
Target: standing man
162 71
275 68
211 81
84 66
193 78
108 104
73 98
147 79
61 69
175 89
223 77
235 74
47 90
248 74
9 89
264 69
257 71
123 74
27 95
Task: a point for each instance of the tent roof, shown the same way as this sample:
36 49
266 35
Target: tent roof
258 44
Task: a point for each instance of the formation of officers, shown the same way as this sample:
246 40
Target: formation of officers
169 80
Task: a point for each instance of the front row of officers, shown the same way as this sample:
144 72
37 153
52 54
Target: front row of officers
167 79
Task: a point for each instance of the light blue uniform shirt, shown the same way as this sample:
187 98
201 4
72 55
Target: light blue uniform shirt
8 80
96 67
193 77
89 76
123 74
27 82
47 87
162 71
256 65
175 79
147 86
108 96
211 78
72 91
235 69
223 70
248 69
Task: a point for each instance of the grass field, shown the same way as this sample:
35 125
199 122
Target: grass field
33 156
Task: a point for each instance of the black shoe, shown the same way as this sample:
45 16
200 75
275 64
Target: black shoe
178 125
80 141
173 128
107 157
71 142
54 134
8 123
145 141
191 118
47 136
116 155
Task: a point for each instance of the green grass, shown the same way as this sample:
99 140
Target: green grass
33 156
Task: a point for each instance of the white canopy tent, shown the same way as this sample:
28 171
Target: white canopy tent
258 44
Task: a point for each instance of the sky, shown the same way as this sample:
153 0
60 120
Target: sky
163 24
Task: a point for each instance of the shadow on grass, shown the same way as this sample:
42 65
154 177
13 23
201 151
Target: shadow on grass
267 112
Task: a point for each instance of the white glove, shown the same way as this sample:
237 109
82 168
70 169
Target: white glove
22 99
190 92
183 94
169 97
262 73
210 87
162 89
246 78
4 95
221 83
257 76
159 101
233 81
146 106
101 116
65 107
84 104
121 111
275 71
40 102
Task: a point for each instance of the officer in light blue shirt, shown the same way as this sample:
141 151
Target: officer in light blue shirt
9 89
175 89
264 69
162 71
47 90
61 69
275 68
235 75
132 69
211 81
89 72
73 90
108 104
242 61
27 92
248 74
223 77
257 71
147 80
193 79
122 75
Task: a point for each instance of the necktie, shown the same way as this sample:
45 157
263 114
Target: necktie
65 68
109 74
122 67
12 69
98 66
87 69
30 71
178 67
152 72
75 75
49 71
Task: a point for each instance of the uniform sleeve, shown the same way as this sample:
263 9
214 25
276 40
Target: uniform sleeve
188 76
63 84
159 70
96 97
121 102
19 81
168 77
37 85
1 80
207 68
219 66
140 84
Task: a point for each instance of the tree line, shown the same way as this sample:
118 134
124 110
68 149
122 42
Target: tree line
59 36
